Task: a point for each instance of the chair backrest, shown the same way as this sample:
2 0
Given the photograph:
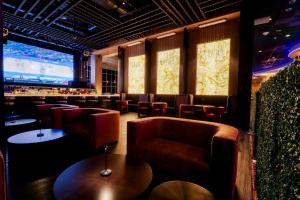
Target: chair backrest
2 178
143 97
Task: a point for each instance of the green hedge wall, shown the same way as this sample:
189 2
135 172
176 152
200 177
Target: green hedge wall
276 134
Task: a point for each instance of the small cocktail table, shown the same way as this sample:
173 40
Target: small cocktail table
180 190
19 122
31 157
31 137
129 179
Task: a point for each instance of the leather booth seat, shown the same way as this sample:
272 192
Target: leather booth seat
189 149
97 127
51 115
2 178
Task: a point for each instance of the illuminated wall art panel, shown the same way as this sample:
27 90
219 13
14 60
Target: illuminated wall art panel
136 75
168 63
213 60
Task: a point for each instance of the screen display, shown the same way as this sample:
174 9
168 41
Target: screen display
29 64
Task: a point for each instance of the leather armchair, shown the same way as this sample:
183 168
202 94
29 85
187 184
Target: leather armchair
2 178
97 127
187 111
188 149
212 113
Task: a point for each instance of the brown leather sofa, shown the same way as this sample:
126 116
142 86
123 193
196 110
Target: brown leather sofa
50 114
97 127
2 178
188 149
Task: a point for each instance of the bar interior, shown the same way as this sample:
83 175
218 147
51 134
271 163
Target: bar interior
150 100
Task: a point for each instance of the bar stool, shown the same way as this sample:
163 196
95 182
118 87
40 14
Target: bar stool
159 108
78 101
122 106
92 101
61 100
38 100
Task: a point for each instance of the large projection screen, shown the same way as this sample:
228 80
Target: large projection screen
34 65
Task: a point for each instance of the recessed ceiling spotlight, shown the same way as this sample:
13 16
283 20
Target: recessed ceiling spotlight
278 30
287 35
288 9
270 18
275 38
266 33
260 51
273 57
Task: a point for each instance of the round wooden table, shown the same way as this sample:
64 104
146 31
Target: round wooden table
180 190
19 122
30 137
129 179
31 157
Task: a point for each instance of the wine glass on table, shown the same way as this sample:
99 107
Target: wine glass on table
105 171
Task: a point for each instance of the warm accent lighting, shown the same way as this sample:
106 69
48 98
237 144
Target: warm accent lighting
135 43
165 35
213 60
136 74
212 23
168 63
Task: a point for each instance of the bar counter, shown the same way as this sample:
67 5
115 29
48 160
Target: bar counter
58 95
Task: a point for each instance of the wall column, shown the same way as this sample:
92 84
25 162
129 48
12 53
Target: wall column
96 78
245 64
147 66
121 55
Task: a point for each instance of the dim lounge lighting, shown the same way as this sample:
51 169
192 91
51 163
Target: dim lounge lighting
135 43
212 23
166 35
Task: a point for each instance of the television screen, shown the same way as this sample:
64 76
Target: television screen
29 64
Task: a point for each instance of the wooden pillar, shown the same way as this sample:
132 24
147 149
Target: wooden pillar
121 55
96 79
245 64
185 54
147 66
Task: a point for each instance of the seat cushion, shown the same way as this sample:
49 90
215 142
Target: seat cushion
178 158
79 129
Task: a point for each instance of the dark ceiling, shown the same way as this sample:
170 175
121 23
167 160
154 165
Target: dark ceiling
273 40
94 24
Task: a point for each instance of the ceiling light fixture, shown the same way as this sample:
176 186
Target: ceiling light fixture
287 35
166 35
260 51
135 43
266 33
212 23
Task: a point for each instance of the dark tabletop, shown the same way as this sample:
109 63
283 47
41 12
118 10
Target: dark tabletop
30 137
180 190
19 122
129 179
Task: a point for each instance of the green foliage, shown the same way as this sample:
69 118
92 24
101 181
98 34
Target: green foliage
277 134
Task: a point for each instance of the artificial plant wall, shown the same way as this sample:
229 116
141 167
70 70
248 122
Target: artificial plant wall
277 133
